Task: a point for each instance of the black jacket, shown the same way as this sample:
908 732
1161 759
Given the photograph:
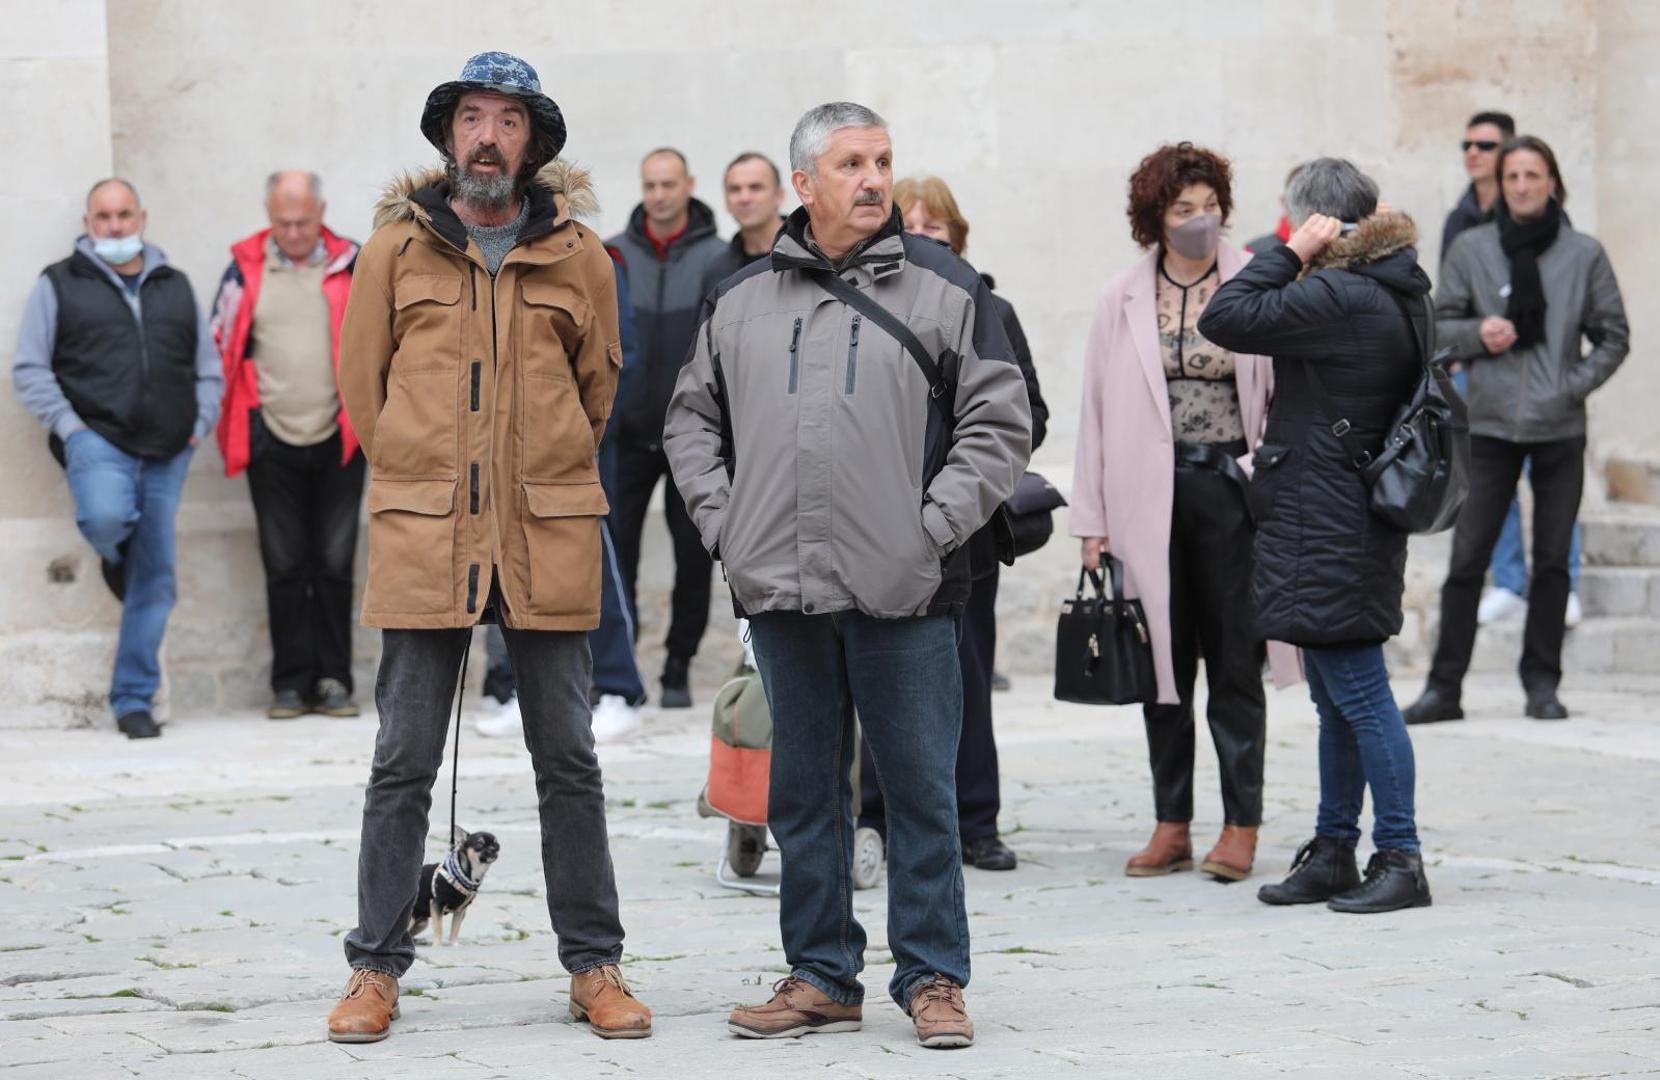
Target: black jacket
1466 215
733 259
668 295
983 544
1326 570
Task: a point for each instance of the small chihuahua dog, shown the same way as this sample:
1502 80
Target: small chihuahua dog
448 887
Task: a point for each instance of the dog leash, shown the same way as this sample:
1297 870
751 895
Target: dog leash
455 764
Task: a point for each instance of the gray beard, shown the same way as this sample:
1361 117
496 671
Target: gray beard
484 193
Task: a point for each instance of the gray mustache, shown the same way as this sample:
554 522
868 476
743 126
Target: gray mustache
869 198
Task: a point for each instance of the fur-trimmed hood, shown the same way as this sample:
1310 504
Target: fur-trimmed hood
1373 239
571 186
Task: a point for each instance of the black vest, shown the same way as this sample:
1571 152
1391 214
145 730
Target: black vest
134 385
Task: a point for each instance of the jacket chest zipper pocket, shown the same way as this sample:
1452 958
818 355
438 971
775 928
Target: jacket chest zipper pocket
853 354
795 355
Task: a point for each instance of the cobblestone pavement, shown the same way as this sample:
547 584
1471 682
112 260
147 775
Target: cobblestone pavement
174 909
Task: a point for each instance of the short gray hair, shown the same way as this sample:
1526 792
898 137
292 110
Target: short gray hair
812 132
1331 186
313 183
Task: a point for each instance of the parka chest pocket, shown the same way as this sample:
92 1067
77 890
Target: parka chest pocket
553 320
426 323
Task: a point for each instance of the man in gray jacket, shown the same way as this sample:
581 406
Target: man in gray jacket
115 360
837 483
1518 297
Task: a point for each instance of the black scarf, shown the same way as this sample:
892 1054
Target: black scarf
1523 242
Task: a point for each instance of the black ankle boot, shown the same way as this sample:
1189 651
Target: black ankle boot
1394 880
1433 707
1324 867
677 691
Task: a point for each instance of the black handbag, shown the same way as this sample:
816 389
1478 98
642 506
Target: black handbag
1103 654
1419 479
1027 520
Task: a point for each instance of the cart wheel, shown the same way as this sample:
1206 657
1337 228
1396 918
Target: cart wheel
746 845
869 860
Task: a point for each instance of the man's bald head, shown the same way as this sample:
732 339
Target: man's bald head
294 203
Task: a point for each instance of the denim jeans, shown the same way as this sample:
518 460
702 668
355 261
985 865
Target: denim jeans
611 643
125 506
901 676
415 695
1509 556
1363 742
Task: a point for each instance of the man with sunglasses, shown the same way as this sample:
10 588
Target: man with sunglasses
1483 136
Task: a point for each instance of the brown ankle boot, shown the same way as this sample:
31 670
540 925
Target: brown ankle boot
1235 851
601 997
1169 850
366 1010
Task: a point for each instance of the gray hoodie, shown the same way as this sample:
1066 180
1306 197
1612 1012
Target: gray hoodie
804 442
37 386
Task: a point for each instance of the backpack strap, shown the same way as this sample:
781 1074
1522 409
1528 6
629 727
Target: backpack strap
1359 456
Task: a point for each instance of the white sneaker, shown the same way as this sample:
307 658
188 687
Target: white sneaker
1500 605
614 719
1575 613
499 720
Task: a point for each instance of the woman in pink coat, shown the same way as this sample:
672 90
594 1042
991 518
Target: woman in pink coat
1169 422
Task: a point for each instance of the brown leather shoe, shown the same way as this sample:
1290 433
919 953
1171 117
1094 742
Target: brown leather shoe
366 1010
601 997
1231 858
797 1008
1170 849
940 1016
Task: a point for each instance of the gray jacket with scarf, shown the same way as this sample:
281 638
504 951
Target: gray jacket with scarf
1536 394
806 446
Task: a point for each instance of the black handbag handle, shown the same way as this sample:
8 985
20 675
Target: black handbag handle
1093 574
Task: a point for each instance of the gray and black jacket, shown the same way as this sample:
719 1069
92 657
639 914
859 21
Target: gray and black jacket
668 295
805 444
1535 394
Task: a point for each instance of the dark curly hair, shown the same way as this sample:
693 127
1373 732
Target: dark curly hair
1162 175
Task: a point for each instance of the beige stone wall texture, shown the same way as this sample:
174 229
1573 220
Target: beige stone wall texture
1035 112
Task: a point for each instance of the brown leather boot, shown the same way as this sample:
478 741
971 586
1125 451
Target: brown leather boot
1235 851
366 1010
1169 850
601 997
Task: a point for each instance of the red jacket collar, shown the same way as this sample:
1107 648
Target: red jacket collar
337 249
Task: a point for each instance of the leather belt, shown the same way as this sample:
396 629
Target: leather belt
1219 458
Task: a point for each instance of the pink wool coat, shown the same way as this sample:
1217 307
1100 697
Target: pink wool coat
1124 482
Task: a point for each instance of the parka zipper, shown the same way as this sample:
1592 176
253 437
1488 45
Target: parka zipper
853 353
795 354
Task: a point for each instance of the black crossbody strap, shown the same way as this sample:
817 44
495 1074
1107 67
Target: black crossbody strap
1358 454
851 295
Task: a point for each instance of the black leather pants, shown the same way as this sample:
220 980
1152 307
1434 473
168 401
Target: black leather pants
1210 616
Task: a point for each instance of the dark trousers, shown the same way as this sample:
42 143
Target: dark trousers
306 503
1558 481
1210 616
638 470
979 795
415 696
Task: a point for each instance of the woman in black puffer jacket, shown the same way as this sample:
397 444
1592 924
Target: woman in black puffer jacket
1328 573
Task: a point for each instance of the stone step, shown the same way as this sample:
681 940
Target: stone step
1620 590
1597 646
1623 534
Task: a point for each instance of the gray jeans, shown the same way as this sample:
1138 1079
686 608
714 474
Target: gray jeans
415 695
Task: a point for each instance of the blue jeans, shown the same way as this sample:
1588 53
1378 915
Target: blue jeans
125 506
1510 556
902 677
1363 741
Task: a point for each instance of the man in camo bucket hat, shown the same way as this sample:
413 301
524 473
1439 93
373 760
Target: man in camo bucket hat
478 361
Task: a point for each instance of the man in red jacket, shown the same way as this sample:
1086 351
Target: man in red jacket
277 324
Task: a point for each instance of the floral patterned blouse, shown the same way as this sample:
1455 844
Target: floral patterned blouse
1204 400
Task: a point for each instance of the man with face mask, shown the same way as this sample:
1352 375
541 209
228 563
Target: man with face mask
479 358
115 359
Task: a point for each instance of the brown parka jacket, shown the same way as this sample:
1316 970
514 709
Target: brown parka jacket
480 404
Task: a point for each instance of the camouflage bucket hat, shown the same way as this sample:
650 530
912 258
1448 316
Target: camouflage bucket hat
500 73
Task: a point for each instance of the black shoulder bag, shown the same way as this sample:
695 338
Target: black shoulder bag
1016 533
1103 654
1420 477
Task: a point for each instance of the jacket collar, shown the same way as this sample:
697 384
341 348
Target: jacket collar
883 253
337 250
155 260
700 222
560 192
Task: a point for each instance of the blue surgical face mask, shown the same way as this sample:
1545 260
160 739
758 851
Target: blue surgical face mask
118 250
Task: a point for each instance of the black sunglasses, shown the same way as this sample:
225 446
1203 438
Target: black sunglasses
1484 145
